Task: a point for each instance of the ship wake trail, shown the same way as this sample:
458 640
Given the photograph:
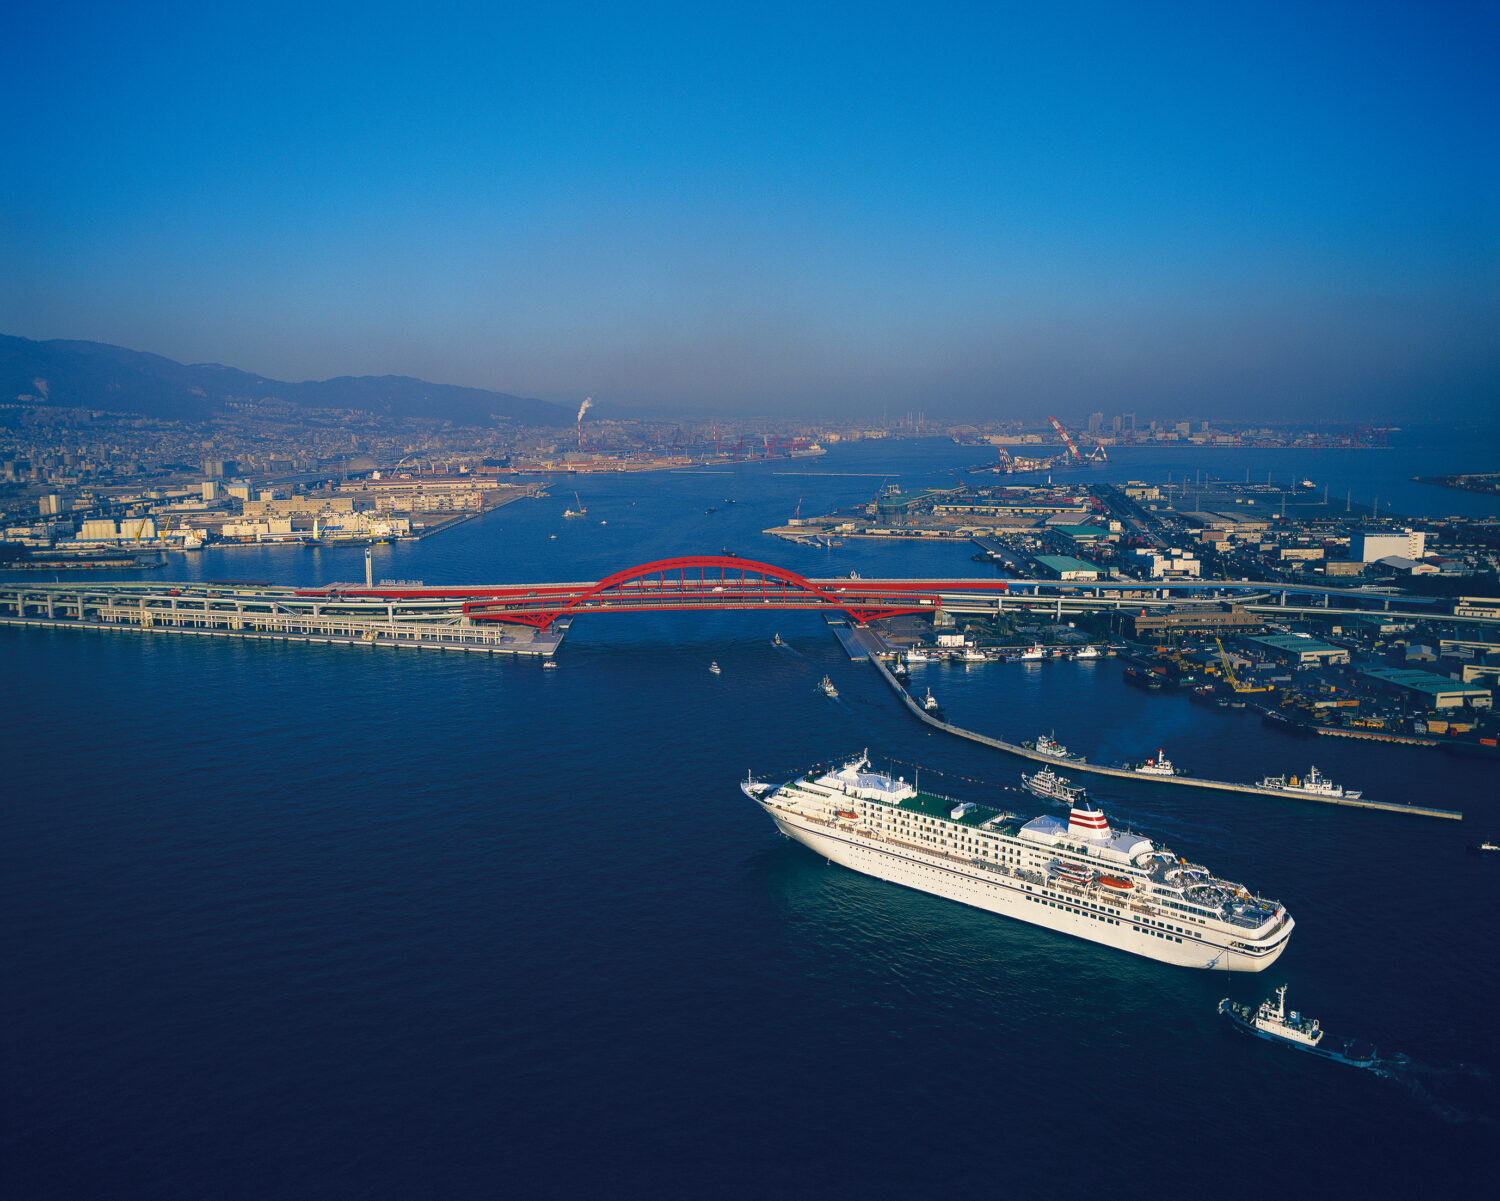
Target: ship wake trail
1410 1074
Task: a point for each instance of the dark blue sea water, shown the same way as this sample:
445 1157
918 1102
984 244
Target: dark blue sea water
288 921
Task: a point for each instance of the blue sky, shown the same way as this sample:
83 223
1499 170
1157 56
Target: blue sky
968 209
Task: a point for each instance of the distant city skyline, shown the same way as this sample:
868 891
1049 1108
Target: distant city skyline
1286 214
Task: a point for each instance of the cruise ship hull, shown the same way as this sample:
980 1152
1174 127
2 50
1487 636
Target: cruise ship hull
1010 896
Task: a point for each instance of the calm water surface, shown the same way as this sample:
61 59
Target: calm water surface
335 921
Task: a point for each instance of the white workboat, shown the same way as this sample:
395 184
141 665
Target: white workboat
1292 1029
1315 783
1046 745
1160 766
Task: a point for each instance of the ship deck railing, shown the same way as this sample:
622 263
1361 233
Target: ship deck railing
1076 892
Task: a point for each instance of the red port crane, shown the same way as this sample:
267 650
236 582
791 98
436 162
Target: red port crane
1067 441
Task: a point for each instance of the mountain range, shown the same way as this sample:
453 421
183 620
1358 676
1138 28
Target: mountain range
96 375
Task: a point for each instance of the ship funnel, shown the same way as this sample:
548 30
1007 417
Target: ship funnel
1087 822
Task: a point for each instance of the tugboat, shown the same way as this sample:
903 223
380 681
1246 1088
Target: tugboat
1278 720
776 639
1160 766
1088 651
930 703
825 686
898 668
1293 1030
1315 784
1050 786
714 667
1053 749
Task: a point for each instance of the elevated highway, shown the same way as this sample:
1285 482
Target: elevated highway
509 616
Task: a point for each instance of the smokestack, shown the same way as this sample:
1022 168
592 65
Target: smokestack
588 403
369 570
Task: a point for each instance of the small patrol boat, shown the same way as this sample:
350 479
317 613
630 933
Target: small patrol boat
1292 1029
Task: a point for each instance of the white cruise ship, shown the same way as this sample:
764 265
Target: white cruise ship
1077 876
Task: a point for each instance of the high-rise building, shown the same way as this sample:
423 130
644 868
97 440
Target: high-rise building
1096 422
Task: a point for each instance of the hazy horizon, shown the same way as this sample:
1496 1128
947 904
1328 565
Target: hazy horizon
982 213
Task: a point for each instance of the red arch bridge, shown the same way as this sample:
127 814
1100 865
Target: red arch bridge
704 582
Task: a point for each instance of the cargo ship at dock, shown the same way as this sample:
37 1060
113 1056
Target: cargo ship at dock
1078 877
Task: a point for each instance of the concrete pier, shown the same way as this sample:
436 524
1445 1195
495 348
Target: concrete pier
1071 767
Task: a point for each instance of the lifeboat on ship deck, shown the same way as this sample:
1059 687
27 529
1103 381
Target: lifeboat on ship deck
1117 883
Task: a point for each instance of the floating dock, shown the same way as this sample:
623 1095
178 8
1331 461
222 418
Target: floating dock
1125 774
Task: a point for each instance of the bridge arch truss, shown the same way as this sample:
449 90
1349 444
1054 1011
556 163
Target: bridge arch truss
703 582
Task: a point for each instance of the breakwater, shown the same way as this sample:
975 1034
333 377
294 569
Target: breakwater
1022 752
